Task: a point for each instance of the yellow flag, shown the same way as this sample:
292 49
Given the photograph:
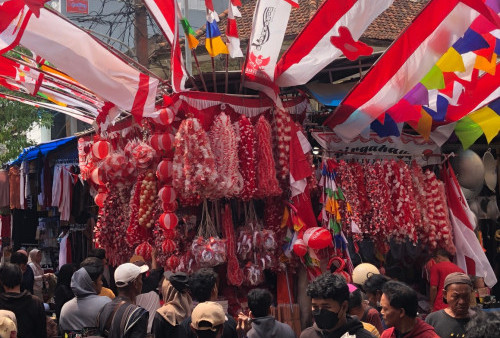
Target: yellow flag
488 120
451 61
424 125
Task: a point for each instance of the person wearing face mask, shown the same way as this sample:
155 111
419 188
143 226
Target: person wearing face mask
330 301
451 322
399 308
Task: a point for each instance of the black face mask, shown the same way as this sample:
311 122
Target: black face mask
325 319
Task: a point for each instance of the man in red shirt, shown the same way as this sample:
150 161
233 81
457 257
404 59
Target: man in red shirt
439 271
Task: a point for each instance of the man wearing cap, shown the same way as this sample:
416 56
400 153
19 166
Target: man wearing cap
451 321
121 318
207 320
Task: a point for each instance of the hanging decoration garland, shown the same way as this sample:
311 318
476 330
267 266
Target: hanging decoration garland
247 158
194 173
224 145
234 272
267 183
283 138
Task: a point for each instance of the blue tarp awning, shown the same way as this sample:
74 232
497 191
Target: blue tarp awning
33 152
329 94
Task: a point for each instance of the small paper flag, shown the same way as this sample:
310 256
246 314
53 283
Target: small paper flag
467 131
451 61
433 79
488 120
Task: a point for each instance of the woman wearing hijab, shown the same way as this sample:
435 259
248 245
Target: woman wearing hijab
177 307
35 257
63 289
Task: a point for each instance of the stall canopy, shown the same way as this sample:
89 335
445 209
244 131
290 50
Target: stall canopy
329 94
41 149
441 75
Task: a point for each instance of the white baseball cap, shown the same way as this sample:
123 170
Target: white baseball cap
128 272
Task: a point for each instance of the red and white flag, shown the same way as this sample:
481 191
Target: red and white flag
313 49
87 60
233 40
211 13
268 31
470 255
166 14
440 24
14 16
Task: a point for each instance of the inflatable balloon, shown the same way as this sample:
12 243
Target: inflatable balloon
101 149
161 142
164 117
97 176
100 198
168 220
167 194
164 170
317 238
300 247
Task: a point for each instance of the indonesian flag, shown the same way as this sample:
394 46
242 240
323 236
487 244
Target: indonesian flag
14 16
313 49
268 31
440 24
470 255
233 40
211 13
166 13
85 59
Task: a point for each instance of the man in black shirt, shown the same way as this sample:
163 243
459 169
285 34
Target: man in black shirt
451 321
21 260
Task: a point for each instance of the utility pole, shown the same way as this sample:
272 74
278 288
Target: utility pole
189 65
141 33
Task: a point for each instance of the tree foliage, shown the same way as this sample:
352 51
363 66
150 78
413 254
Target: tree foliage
16 120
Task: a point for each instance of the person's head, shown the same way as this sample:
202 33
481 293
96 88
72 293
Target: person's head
10 276
65 273
99 253
20 259
373 289
355 300
203 285
441 255
259 302
128 278
483 324
95 269
8 327
35 256
329 297
207 320
175 284
398 301
457 293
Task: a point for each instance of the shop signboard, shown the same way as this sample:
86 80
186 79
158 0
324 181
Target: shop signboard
77 6
405 147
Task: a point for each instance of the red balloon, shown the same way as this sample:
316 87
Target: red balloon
164 170
101 149
300 247
317 238
168 246
162 141
165 116
100 198
168 220
167 194
97 176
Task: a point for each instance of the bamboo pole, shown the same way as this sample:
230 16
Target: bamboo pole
227 74
199 70
213 75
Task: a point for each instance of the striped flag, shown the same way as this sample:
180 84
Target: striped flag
233 40
470 255
213 40
166 14
440 24
87 60
313 49
211 13
189 34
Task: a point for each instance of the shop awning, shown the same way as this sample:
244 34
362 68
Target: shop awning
33 152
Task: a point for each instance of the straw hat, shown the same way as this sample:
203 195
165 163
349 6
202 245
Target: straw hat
490 170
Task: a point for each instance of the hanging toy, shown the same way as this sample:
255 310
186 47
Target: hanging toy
101 149
317 238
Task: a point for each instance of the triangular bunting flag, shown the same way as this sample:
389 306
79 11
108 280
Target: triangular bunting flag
424 125
467 132
471 41
489 66
451 61
495 106
403 111
418 95
488 120
389 128
433 79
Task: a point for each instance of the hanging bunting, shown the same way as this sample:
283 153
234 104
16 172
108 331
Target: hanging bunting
451 61
488 120
424 125
433 79
467 131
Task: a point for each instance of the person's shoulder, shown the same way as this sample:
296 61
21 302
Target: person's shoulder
363 333
287 329
310 332
387 333
433 317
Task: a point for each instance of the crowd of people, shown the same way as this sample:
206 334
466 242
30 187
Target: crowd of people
139 300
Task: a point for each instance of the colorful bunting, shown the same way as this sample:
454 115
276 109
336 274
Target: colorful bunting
424 125
471 41
389 128
418 95
451 61
403 111
467 131
489 66
488 120
433 79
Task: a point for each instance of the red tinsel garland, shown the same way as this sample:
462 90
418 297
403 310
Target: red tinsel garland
247 160
267 183
234 272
